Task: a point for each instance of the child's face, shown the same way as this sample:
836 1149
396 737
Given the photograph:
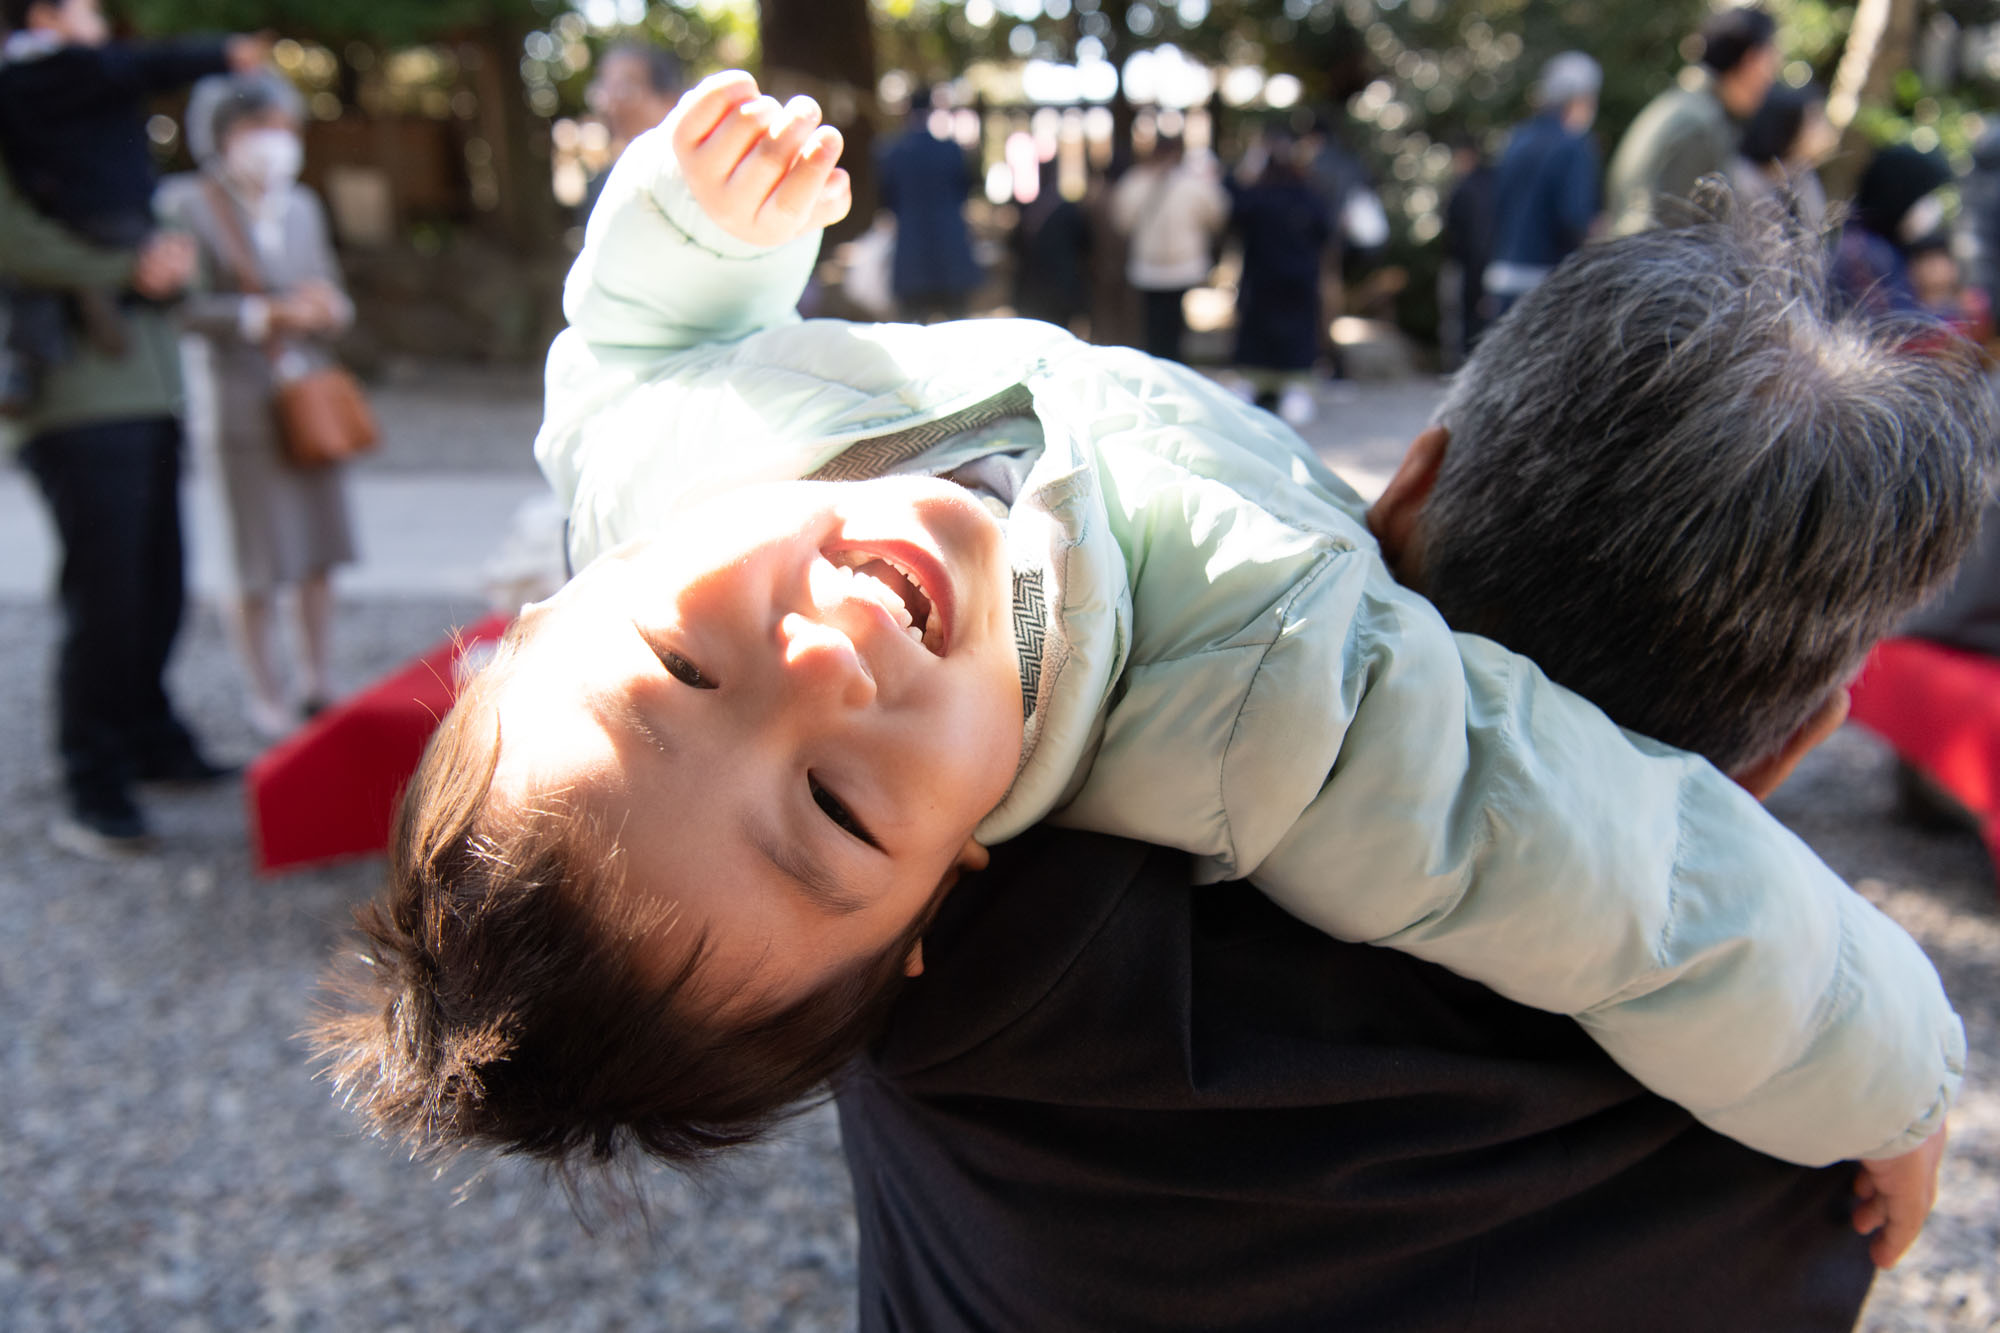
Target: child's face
740 701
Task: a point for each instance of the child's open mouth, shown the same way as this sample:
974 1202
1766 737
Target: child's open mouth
896 588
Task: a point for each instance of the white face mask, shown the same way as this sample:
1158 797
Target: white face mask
1925 216
267 159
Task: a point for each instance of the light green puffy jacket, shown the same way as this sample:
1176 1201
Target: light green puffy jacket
1228 667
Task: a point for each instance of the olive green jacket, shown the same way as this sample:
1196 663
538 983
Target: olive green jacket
90 387
1683 134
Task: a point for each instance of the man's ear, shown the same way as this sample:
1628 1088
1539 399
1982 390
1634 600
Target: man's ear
1766 775
972 856
1395 517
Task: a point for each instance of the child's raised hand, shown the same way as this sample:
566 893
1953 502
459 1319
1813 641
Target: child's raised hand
1896 1194
765 173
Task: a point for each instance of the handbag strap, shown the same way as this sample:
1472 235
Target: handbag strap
236 251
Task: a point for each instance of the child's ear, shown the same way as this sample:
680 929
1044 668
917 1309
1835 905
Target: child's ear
972 856
913 966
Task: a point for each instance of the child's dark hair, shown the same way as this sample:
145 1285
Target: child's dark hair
497 1002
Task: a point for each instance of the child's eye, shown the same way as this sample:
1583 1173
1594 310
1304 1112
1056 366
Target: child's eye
838 813
684 671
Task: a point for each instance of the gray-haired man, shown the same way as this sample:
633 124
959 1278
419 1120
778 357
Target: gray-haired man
1673 478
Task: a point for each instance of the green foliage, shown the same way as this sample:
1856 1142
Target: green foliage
386 23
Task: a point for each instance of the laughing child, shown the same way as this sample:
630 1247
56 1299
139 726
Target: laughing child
856 601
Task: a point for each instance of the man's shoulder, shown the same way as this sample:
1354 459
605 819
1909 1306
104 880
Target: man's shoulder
1090 1024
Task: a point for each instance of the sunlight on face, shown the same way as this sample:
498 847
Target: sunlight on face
795 707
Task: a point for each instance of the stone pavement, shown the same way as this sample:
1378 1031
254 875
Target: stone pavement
167 1163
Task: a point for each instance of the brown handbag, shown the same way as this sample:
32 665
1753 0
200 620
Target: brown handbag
323 416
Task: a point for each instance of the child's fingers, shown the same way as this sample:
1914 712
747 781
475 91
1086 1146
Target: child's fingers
705 105
736 134
1868 1217
834 201
799 193
1896 1237
770 157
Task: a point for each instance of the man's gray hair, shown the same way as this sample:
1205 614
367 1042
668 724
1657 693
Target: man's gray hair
1692 492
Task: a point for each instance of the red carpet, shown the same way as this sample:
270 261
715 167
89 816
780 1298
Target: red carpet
327 792
1940 708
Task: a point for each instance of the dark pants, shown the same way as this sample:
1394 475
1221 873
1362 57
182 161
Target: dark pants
1165 323
113 489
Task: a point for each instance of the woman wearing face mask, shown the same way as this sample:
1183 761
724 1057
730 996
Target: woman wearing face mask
288 525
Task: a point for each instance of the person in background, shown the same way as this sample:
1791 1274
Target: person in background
1052 247
1468 247
1691 130
1545 191
1360 223
1285 231
924 181
1782 144
101 427
635 85
1937 282
288 525
1170 210
1979 217
1898 205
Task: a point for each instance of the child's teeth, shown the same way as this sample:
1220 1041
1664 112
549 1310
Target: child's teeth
916 635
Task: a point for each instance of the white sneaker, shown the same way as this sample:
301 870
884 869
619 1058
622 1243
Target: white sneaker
1296 406
77 837
272 721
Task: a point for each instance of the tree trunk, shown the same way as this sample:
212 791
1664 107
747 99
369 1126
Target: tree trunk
826 49
1879 46
519 139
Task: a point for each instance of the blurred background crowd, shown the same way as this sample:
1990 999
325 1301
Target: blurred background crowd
1290 191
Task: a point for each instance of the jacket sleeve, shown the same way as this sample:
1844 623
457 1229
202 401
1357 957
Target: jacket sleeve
1577 206
148 68
1481 817
213 307
656 272
42 253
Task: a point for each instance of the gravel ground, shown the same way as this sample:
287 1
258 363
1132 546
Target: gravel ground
168 1163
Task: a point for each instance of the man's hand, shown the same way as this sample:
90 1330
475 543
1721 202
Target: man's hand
765 173
248 53
1896 1194
164 266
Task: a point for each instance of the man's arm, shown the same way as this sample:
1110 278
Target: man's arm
148 68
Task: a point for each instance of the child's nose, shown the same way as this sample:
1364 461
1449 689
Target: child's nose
824 661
